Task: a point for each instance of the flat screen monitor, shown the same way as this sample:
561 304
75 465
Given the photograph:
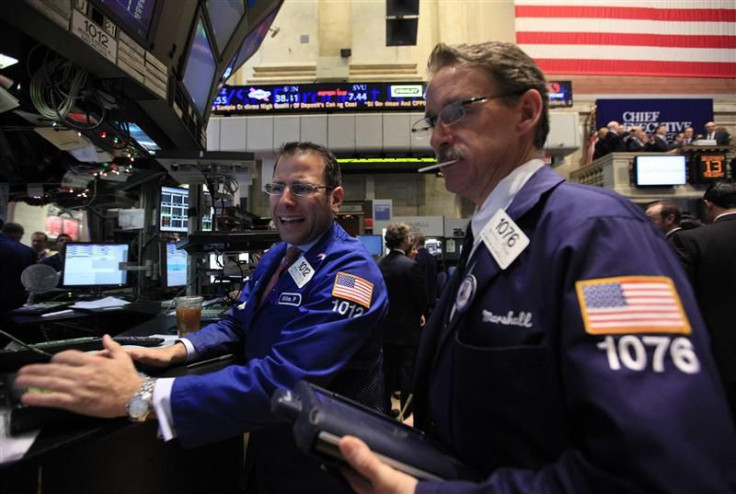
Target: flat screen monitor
372 243
250 45
224 18
659 170
134 16
94 265
175 262
173 207
199 73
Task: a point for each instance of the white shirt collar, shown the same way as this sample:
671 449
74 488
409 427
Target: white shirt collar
502 195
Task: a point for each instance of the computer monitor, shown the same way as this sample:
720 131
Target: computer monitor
250 45
94 265
199 71
372 243
660 170
173 209
135 17
174 273
224 17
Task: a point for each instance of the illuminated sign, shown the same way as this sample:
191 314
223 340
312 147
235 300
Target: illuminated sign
560 93
320 98
710 166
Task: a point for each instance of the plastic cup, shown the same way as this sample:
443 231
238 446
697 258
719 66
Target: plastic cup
188 314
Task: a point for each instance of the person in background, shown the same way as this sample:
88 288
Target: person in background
666 217
638 140
689 136
15 258
533 369
407 300
659 143
56 261
39 243
319 320
428 265
689 222
707 254
13 230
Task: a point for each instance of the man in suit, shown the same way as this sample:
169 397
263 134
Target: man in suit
407 300
319 321
428 264
718 134
659 143
707 253
666 217
638 140
536 368
15 258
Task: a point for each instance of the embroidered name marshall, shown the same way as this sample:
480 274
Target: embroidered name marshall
524 319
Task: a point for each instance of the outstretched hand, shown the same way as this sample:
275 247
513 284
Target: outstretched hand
159 357
368 474
96 384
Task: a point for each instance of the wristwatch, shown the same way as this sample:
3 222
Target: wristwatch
139 405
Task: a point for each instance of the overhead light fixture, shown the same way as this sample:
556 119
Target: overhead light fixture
6 61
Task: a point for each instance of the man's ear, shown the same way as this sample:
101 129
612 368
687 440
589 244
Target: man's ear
530 105
336 196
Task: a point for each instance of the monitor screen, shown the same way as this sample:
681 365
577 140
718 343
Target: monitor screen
174 206
175 261
659 170
372 243
199 74
709 166
224 17
94 265
249 46
134 16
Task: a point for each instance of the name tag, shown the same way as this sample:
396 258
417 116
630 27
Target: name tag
301 271
294 299
504 239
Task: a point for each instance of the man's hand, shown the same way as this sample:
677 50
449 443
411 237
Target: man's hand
91 384
372 476
159 357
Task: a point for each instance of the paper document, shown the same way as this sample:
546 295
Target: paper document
13 448
103 303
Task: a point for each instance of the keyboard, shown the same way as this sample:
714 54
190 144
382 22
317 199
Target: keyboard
11 360
41 307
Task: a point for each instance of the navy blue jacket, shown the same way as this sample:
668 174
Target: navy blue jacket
15 257
327 332
529 384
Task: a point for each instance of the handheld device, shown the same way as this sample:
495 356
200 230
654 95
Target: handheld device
321 418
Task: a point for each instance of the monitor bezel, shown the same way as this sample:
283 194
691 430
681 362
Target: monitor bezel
125 281
380 241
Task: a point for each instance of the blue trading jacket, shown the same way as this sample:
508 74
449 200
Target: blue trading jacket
532 387
323 332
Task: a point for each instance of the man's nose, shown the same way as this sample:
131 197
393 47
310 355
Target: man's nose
441 137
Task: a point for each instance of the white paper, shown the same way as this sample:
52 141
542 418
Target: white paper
13 448
103 303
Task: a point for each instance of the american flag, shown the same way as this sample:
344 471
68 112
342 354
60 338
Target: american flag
633 304
353 288
675 38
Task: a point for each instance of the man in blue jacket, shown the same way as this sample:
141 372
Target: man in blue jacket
319 322
568 354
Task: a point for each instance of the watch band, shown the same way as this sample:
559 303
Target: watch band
140 404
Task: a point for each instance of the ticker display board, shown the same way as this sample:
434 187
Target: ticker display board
349 97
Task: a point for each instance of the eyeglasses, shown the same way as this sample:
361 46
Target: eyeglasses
301 190
454 112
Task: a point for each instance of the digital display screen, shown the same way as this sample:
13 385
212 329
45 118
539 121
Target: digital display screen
94 264
174 206
176 266
137 134
324 97
249 46
224 18
372 243
560 93
135 15
660 170
710 166
199 73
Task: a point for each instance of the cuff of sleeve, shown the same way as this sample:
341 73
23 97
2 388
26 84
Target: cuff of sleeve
162 406
192 353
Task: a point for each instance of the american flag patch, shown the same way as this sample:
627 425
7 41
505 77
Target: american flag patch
355 288
631 304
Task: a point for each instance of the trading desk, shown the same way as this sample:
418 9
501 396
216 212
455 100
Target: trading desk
114 455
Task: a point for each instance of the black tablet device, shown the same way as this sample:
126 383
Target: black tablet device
321 418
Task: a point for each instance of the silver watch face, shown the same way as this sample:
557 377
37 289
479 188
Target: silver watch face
138 407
